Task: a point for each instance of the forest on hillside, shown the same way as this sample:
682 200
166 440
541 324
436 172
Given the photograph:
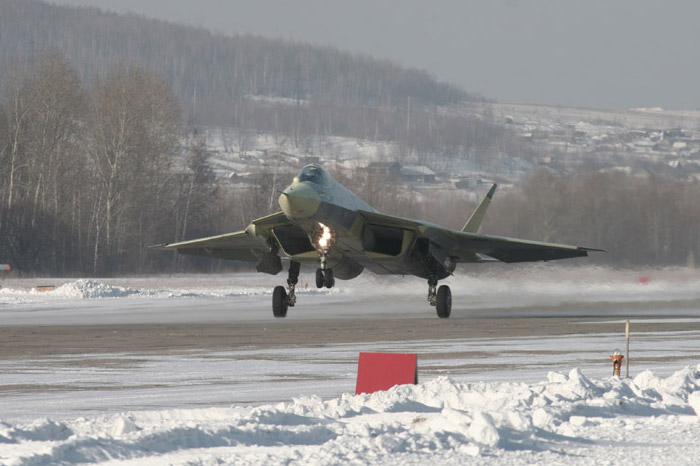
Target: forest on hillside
93 175
250 82
101 157
208 66
86 183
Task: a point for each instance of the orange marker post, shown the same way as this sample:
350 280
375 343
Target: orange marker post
627 351
617 362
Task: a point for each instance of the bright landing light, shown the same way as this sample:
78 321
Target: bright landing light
325 238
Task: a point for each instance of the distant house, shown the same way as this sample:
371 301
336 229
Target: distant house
309 159
407 173
417 174
466 183
663 145
580 136
475 182
391 169
674 133
539 135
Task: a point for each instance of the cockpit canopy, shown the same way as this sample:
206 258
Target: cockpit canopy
314 174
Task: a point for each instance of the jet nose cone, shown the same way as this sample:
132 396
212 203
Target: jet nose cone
299 201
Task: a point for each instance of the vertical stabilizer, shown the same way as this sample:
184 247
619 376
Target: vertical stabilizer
474 222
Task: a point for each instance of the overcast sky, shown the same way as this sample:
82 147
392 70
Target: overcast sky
589 53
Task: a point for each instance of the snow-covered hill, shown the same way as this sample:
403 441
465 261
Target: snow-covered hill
562 139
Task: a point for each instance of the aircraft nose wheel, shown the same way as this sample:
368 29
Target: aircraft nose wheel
324 277
328 280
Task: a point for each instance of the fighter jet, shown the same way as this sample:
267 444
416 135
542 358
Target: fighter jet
324 225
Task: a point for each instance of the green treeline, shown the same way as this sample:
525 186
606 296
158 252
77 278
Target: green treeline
640 221
219 79
86 178
90 176
296 90
96 162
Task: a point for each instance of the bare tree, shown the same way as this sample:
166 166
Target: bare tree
132 139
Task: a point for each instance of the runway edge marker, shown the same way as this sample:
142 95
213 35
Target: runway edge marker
381 371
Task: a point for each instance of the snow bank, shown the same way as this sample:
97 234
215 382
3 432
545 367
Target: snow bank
568 418
550 287
538 286
94 289
79 289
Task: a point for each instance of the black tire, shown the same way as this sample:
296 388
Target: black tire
443 304
319 278
279 302
328 280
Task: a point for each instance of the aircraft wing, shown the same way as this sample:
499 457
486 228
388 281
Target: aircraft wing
245 245
510 249
464 246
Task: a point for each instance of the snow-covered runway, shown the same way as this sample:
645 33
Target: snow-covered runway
519 375
65 386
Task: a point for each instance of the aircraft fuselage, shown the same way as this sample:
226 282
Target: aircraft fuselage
326 226
317 203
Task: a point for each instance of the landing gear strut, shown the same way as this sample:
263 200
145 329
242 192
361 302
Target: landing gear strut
324 275
442 299
432 295
283 299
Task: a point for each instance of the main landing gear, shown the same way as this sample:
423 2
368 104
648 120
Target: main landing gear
442 299
281 299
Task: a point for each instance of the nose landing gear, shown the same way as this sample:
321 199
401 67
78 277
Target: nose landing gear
324 275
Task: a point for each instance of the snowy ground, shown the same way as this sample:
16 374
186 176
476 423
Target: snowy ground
546 399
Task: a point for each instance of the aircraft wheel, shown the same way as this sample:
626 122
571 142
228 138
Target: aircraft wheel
319 278
279 302
444 302
328 280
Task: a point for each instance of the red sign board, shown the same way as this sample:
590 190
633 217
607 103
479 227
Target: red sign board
381 371
4 267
